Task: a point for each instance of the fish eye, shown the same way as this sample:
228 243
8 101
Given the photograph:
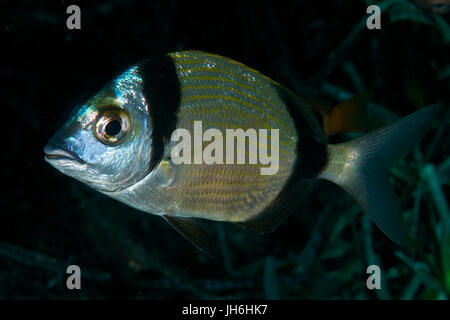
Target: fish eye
112 127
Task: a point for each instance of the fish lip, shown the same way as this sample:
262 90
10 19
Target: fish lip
57 154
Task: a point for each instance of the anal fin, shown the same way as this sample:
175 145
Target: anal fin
193 232
270 218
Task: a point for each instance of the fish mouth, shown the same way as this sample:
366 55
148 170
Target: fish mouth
53 154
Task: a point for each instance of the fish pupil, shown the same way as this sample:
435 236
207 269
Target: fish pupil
113 128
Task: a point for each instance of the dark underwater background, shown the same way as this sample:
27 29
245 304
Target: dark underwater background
49 221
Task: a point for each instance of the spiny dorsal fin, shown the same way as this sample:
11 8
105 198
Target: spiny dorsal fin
193 232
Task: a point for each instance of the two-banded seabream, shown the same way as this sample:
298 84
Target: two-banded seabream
119 143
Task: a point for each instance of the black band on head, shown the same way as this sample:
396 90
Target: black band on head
162 91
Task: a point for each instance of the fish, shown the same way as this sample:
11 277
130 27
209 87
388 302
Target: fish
436 6
121 143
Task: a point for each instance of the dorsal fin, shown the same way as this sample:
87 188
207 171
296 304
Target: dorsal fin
349 116
193 232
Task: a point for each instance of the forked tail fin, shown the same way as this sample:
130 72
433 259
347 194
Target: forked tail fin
361 167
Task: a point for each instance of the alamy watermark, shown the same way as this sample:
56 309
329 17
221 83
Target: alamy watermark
233 151
74 20
374 280
374 20
74 280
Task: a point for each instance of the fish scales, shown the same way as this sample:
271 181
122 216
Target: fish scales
235 192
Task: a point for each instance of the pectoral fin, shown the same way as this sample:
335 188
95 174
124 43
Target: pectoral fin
193 232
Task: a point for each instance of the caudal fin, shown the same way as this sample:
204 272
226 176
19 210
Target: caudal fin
361 167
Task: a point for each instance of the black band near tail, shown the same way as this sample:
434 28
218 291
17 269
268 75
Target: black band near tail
312 154
312 157
162 91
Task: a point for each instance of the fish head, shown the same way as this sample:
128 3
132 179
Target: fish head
106 142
